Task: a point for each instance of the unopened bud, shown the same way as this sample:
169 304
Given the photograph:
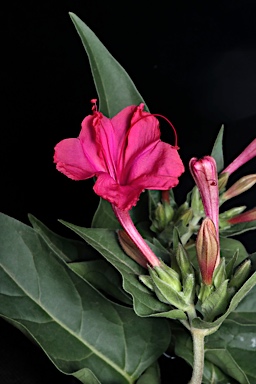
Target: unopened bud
183 262
240 275
244 217
187 216
189 288
239 187
169 275
131 249
219 274
232 212
222 181
207 248
166 291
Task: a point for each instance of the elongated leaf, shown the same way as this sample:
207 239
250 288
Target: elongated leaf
74 324
86 376
217 151
114 86
66 249
94 269
104 277
104 216
105 241
237 229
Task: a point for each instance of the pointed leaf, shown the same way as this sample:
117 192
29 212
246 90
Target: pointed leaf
103 277
67 249
115 88
71 321
217 151
105 241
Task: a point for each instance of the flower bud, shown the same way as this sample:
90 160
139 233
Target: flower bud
244 217
165 290
131 249
239 187
187 216
207 247
222 181
183 262
241 274
232 212
248 153
169 275
219 274
189 288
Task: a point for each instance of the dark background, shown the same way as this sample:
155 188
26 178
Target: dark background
192 61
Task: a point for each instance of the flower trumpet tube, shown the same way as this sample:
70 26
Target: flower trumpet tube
243 217
125 154
248 153
207 248
129 227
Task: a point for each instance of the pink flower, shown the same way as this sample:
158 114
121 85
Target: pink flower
248 153
204 172
125 153
207 249
244 217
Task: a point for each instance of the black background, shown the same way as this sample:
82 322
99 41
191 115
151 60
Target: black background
192 61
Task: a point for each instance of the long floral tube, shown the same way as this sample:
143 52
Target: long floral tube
128 225
248 153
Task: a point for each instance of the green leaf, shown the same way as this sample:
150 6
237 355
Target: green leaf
228 247
104 216
67 249
97 272
237 298
217 151
86 376
151 375
114 86
245 313
105 241
232 348
237 229
71 321
103 277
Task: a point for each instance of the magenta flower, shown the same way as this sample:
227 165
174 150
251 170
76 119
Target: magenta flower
248 153
244 217
125 153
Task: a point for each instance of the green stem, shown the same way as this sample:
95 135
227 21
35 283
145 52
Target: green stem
198 348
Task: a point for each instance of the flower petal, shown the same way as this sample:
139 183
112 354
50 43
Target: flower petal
157 167
123 197
71 160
